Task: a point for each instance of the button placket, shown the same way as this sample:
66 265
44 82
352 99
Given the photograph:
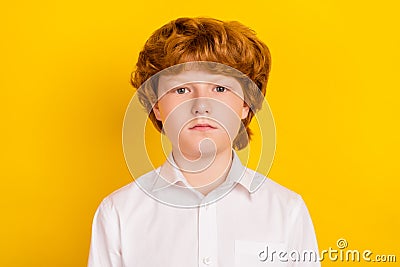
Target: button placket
208 235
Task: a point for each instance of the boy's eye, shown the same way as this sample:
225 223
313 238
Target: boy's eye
181 90
220 89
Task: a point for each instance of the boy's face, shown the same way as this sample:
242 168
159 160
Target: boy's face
201 112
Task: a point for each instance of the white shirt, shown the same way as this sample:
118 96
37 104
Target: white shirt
249 220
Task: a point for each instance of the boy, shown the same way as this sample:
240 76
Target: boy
201 81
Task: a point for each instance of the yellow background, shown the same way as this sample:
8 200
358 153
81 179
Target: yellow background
65 68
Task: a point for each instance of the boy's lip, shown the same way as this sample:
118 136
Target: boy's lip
203 126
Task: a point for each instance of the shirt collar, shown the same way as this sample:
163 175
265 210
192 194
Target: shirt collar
169 174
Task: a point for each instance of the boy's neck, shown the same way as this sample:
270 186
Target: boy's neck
213 170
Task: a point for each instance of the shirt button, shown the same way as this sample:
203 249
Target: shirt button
207 260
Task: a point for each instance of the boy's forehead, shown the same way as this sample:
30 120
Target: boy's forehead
170 80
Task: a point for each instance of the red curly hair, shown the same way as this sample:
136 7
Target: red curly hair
206 39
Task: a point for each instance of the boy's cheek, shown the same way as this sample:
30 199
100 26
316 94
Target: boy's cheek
176 120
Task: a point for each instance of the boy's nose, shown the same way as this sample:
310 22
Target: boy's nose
201 106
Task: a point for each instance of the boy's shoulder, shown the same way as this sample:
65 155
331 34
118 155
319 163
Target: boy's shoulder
271 189
279 190
131 193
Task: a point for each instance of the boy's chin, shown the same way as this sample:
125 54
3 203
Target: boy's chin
205 149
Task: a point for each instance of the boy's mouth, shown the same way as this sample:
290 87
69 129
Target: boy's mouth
202 127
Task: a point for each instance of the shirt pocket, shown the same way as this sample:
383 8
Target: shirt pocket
255 254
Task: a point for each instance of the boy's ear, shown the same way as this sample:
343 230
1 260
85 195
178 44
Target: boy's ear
245 111
156 111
